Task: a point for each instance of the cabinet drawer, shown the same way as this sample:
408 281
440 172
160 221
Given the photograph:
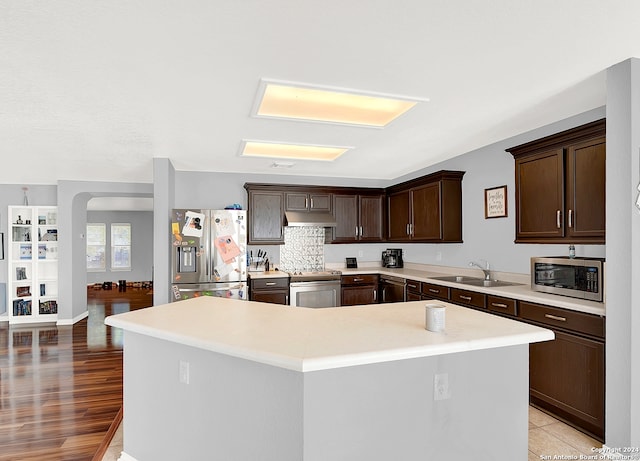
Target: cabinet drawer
579 322
469 298
364 279
413 286
270 283
502 305
435 291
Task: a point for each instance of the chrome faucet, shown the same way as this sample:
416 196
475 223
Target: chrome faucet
487 272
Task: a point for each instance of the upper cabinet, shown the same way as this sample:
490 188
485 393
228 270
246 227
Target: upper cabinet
359 217
560 187
265 217
426 209
300 201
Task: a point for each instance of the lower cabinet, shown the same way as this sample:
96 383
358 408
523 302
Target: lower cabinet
359 289
414 290
468 298
269 290
567 375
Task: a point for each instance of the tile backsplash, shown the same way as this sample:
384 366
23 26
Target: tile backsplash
303 249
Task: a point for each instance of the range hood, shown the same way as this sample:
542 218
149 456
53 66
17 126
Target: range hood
311 218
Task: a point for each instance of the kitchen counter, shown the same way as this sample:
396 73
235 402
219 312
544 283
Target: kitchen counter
268 274
319 339
228 379
522 292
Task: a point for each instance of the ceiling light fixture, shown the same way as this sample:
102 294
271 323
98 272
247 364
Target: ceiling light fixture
329 105
291 151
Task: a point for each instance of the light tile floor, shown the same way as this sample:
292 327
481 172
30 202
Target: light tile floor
548 437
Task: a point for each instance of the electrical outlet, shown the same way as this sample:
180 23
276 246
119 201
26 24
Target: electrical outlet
184 372
439 256
360 253
441 387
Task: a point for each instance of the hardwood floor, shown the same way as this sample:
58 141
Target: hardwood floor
61 386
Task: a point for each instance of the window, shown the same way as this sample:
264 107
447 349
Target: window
96 246
120 247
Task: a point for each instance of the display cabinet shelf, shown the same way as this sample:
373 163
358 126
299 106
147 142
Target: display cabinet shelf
32 288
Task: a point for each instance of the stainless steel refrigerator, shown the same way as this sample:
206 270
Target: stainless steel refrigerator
208 253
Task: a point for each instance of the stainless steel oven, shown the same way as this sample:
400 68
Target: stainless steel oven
576 277
314 289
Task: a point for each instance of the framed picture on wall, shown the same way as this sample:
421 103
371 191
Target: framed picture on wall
495 202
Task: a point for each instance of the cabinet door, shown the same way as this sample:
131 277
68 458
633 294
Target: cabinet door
398 216
566 376
540 196
345 209
320 202
586 189
273 297
266 215
355 295
296 201
425 206
371 218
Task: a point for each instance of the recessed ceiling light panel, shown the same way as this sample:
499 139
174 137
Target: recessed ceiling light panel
320 104
291 151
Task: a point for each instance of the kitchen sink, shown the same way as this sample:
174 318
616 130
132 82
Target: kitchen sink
475 281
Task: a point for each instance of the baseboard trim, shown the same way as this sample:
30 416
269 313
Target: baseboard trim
106 441
74 320
126 457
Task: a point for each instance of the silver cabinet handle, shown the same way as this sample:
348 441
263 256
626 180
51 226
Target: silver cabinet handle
558 224
375 295
431 290
408 227
555 317
270 284
504 306
570 218
286 299
466 298
311 203
356 231
410 285
361 233
357 280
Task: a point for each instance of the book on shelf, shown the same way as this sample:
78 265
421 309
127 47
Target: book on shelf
50 236
49 307
23 292
25 251
21 307
21 273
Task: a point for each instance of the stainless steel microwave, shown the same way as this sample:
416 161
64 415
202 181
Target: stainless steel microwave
576 277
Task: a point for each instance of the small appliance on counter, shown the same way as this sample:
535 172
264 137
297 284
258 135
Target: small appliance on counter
392 258
569 276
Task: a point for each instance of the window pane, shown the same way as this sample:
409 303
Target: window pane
121 246
96 246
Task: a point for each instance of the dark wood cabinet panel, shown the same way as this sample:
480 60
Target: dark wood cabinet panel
273 290
301 201
586 189
564 319
505 306
265 218
468 298
358 218
398 220
567 377
431 291
540 195
560 187
359 289
427 209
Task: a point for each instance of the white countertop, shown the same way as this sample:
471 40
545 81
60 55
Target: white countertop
304 339
521 292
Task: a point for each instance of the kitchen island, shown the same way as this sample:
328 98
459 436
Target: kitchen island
212 378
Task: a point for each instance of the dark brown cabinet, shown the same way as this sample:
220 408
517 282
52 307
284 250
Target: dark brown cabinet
359 218
503 306
567 375
431 291
414 290
301 201
269 290
468 298
265 217
359 289
427 209
560 187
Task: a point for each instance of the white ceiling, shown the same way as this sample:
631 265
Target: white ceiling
94 90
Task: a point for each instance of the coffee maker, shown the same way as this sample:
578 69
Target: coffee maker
392 258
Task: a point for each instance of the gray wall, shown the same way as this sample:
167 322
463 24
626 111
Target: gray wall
141 245
623 256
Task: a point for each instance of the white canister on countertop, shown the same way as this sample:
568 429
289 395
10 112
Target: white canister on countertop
434 317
